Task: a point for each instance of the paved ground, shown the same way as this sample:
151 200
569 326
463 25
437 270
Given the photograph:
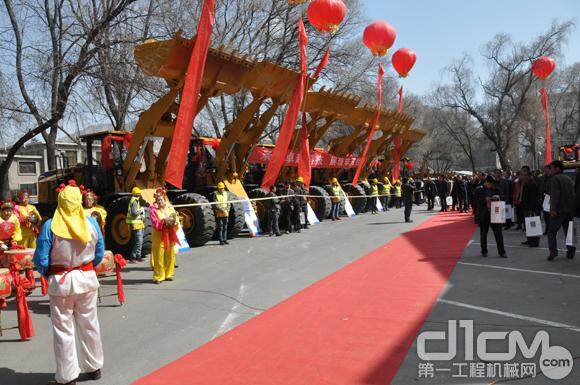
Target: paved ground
218 288
524 292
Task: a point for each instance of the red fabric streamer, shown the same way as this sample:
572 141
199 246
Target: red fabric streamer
25 327
304 169
289 124
43 285
31 285
120 263
169 236
401 100
374 125
397 158
545 106
190 97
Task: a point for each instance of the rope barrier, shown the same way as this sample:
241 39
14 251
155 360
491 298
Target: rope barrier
279 197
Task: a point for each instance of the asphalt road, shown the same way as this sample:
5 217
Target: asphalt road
216 288
524 293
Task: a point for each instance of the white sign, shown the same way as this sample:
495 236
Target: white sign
312 219
183 244
347 206
251 219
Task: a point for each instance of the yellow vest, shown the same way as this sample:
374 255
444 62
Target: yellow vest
398 191
374 189
335 194
222 198
136 222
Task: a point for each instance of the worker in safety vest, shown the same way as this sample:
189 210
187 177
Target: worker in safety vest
29 221
93 209
164 223
398 194
222 211
10 231
135 219
70 245
387 188
374 195
335 198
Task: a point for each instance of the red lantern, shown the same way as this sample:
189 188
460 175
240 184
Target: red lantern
410 166
403 61
379 37
543 67
568 150
326 15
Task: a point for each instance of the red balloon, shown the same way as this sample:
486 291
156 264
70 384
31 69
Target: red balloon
403 61
379 37
326 15
410 165
543 67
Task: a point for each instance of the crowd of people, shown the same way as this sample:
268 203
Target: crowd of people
71 243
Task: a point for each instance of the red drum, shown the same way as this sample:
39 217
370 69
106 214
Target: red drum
21 258
5 283
107 265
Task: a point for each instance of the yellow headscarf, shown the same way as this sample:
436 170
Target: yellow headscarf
69 220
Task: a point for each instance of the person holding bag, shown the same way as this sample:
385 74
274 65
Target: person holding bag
562 204
529 203
485 195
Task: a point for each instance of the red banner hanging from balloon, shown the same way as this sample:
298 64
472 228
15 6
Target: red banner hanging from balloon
545 106
304 169
398 141
289 124
373 126
177 158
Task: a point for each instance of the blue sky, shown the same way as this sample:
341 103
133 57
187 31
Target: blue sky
441 30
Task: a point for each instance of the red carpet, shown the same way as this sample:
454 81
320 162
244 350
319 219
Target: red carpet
352 327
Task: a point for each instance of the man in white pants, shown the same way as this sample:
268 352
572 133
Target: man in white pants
69 246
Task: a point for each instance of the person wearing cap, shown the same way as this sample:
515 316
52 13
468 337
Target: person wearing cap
29 220
10 230
222 212
92 208
398 194
335 199
273 212
374 195
386 193
69 247
430 193
164 224
484 195
135 219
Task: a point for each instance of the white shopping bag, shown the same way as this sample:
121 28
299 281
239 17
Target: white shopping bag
571 235
302 218
498 212
546 204
437 201
449 201
379 205
534 227
508 212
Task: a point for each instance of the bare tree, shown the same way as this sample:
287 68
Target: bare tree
498 102
50 56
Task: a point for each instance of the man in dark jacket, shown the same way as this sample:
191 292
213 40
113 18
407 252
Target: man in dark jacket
408 192
300 189
545 190
443 191
505 186
562 205
485 195
273 209
529 201
431 193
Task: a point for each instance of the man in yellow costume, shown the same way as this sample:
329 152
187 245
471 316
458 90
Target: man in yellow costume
164 223
10 231
29 221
